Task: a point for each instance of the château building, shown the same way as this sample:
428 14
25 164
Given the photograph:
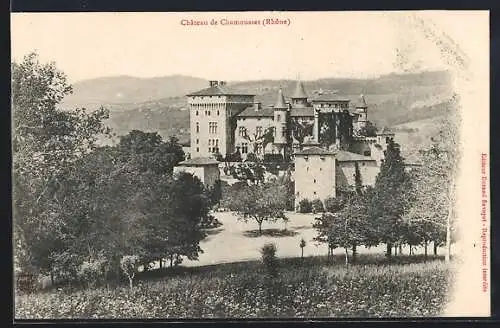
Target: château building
325 135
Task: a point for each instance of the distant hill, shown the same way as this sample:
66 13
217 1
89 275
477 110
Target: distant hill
130 90
159 104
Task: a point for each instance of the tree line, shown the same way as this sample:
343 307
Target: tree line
84 210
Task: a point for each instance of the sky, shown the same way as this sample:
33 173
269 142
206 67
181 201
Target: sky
314 44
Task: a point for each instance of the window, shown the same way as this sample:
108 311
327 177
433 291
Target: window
314 193
197 149
244 148
314 181
283 132
208 112
196 113
278 117
307 169
212 127
197 127
197 141
241 131
218 113
258 131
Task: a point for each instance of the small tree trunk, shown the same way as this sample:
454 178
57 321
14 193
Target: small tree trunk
260 227
161 263
435 249
425 249
171 260
388 252
411 249
354 253
400 249
395 250
51 278
130 282
346 256
302 255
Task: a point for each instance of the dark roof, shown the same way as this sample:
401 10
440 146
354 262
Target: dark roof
280 101
306 111
299 93
361 103
251 112
219 90
199 161
315 150
346 156
328 97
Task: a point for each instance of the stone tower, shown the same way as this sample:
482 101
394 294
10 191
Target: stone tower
361 110
280 122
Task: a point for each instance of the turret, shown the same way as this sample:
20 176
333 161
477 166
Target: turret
361 109
280 119
299 97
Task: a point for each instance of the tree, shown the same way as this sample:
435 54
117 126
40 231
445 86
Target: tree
46 143
305 206
129 264
263 202
317 206
389 197
433 194
369 130
347 227
302 245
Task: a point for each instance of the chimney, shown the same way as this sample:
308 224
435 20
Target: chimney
213 83
222 83
257 106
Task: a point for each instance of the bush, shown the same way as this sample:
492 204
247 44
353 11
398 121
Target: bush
268 252
91 272
305 206
317 206
273 158
251 157
333 204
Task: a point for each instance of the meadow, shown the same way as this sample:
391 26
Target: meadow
311 287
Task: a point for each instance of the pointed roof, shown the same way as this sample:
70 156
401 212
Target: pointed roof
300 92
361 102
280 101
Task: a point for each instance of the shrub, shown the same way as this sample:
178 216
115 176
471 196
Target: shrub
251 157
91 272
333 204
268 252
305 206
273 158
317 206
129 264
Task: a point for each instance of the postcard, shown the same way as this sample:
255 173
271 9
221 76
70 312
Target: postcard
251 165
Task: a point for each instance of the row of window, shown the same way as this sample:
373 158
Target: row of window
214 150
212 127
208 113
341 105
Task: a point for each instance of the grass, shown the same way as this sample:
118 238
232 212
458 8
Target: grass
304 288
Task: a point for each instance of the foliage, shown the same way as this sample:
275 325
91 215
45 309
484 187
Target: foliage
92 271
334 204
389 197
129 264
305 206
251 157
306 289
317 206
263 202
370 130
268 252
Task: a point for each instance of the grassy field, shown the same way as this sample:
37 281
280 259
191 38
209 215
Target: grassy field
304 288
230 281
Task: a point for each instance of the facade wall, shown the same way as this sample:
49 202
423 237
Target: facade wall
346 171
314 177
211 123
251 124
208 174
